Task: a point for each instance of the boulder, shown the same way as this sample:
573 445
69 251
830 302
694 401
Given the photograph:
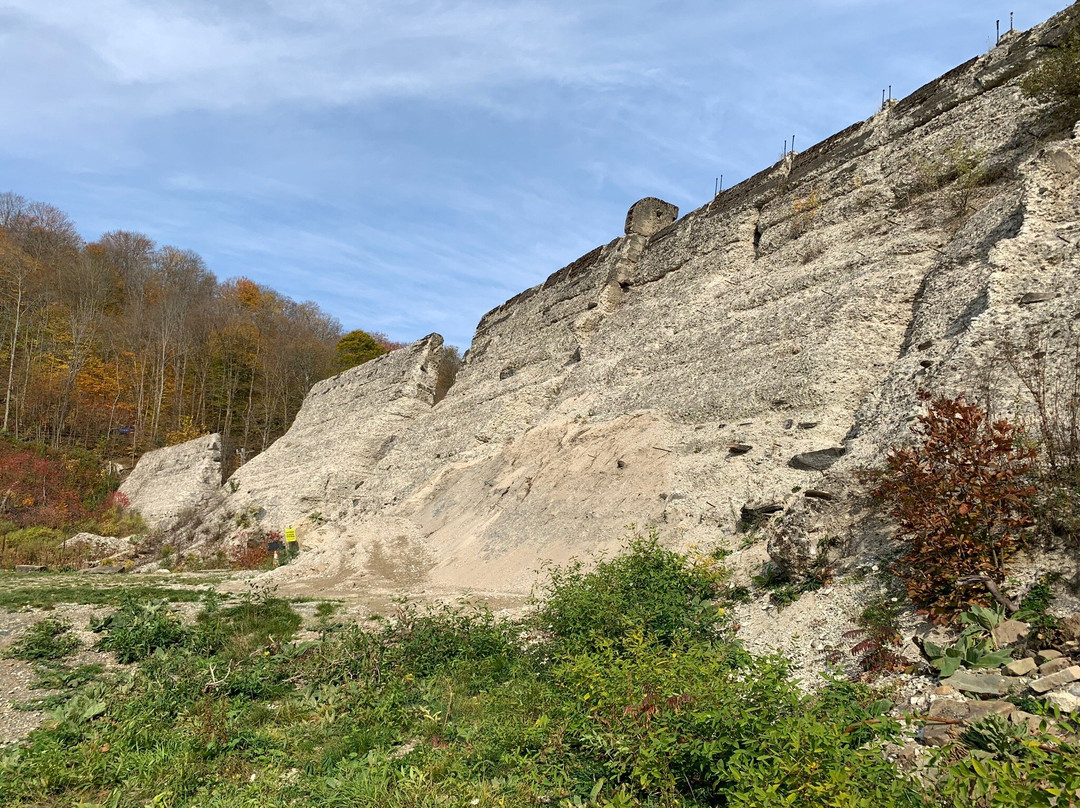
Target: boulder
793 551
168 484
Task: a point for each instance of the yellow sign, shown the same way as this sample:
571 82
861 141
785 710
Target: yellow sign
290 534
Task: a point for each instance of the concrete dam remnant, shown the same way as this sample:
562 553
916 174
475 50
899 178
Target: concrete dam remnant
795 317
649 216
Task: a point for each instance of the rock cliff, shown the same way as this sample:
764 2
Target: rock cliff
693 368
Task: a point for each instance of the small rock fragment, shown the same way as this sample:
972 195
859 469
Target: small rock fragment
1036 297
990 684
1010 632
1020 667
952 709
1064 700
978 710
1070 628
1047 655
819 460
1048 683
941 734
1054 665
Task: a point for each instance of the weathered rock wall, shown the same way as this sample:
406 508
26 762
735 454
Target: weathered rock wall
168 485
799 311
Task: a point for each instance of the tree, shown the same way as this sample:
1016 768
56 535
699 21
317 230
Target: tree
358 347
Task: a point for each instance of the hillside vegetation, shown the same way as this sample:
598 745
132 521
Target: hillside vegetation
626 688
122 345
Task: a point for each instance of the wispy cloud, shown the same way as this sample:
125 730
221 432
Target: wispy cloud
409 164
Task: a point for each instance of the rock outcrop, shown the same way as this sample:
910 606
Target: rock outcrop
795 317
169 485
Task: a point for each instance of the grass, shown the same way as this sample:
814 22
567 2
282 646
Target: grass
46 640
454 707
45 590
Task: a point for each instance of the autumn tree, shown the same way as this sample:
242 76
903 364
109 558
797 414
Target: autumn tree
358 347
122 343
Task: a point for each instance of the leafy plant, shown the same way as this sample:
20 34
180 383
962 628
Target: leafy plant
47 639
981 619
878 637
961 497
996 735
136 630
968 651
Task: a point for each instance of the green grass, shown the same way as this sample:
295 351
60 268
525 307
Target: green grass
45 590
46 640
453 707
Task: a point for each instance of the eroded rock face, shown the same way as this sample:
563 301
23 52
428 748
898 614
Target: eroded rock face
649 216
800 311
168 484
324 466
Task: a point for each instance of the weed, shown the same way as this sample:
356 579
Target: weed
47 639
138 629
805 212
21 591
961 168
878 638
1035 605
997 736
1056 80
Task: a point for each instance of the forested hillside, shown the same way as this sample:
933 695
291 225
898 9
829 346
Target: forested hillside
122 345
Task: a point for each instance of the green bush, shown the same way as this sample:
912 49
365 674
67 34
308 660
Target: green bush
696 724
425 641
648 589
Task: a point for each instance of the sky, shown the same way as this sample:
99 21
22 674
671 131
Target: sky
410 164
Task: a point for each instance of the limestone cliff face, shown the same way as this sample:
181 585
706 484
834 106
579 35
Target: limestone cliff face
168 486
797 314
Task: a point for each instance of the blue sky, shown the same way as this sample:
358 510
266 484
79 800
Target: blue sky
410 164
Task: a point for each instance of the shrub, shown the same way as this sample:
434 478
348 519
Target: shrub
703 724
878 638
1057 78
961 498
648 588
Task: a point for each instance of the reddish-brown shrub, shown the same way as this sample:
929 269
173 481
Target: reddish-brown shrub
254 556
961 497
